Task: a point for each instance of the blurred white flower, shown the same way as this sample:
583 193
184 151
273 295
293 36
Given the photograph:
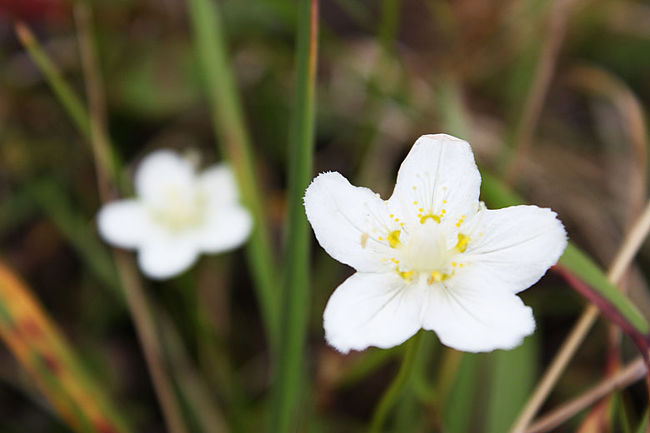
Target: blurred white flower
432 256
176 215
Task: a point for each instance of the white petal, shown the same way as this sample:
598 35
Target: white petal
438 178
124 223
218 182
351 223
167 256
164 174
372 310
226 228
470 315
515 246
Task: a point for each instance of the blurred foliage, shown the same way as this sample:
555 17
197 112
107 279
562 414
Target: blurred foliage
388 72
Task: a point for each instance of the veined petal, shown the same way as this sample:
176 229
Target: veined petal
470 315
371 309
124 223
514 246
351 223
226 228
437 181
162 176
167 256
218 183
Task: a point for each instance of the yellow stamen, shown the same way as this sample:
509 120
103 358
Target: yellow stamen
436 218
408 276
393 239
463 241
437 277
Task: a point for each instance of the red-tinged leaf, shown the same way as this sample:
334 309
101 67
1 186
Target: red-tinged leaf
44 353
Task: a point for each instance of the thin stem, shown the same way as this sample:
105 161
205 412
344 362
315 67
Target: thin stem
106 159
231 132
560 13
624 257
64 93
290 367
395 389
145 327
96 98
630 374
135 295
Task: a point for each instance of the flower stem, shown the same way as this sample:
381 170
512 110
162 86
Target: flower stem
138 303
230 129
395 389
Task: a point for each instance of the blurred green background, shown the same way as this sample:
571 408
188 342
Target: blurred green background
567 81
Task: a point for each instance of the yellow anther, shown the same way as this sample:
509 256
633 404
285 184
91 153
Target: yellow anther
444 202
381 238
393 238
396 220
436 218
391 215
444 211
364 239
437 277
463 241
415 203
454 264
421 209
408 276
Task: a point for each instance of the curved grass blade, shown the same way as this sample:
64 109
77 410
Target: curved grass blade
68 98
230 129
290 367
43 352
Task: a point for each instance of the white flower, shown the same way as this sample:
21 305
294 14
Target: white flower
431 256
176 215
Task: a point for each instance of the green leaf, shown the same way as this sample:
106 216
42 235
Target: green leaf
457 410
643 426
512 378
290 367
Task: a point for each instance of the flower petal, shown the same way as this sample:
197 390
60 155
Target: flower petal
351 223
227 228
167 256
218 182
124 223
438 180
470 315
372 310
514 246
163 174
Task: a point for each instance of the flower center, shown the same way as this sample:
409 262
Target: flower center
180 210
431 251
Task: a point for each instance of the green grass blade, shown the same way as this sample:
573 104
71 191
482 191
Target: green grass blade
512 378
64 93
230 129
497 195
296 262
69 99
643 425
458 408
